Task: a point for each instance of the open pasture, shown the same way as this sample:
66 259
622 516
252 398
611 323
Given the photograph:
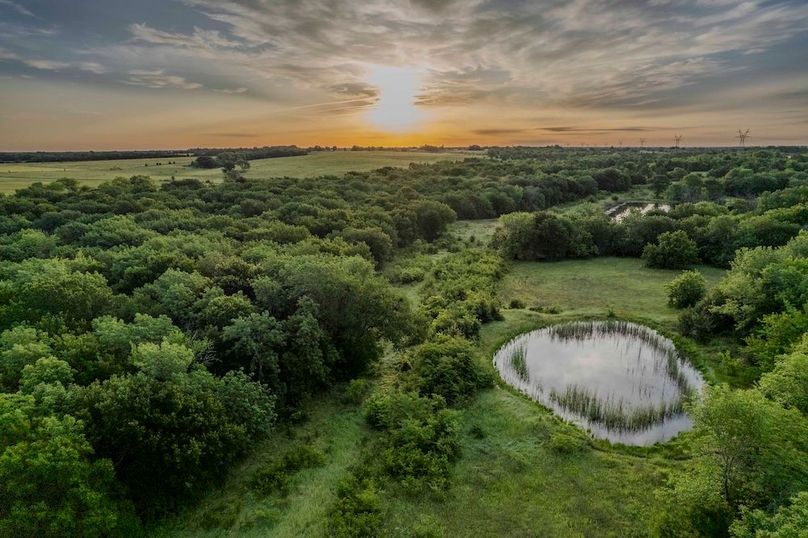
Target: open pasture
15 176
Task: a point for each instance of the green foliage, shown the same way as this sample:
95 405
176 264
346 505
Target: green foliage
46 370
420 440
49 486
776 335
761 281
673 250
19 347
790 521
171 428
445 367
787 383
542 236
356 391
275 477
751 452
358 510
686 289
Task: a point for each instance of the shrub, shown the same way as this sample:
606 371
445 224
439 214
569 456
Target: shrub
673 250
516 303
356 391
420 438
357 511
274 477
445 366
686 289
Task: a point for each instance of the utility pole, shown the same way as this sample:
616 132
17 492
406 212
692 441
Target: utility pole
742 136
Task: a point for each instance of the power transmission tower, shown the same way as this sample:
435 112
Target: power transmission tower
676 140
620 143
642 142
742 136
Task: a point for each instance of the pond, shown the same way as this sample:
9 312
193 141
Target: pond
620 381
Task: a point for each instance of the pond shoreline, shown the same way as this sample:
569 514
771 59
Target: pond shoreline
621 381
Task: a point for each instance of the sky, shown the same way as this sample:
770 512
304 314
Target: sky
123 74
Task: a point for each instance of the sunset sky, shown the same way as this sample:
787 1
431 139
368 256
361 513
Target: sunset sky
115 74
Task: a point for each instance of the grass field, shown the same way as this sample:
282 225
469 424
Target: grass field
594 286
92 173
234 509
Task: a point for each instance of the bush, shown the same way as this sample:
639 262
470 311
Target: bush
274 477
357 511
356 391
686 289
420 440
673 250
445 367
516 303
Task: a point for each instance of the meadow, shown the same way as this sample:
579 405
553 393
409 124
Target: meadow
14 176
592 287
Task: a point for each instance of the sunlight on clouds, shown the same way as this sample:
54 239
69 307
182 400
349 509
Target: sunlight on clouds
395 110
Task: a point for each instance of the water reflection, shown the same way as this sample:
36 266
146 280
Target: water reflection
621 381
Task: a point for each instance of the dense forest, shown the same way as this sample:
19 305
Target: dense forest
153 335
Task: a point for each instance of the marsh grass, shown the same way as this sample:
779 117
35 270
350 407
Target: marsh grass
519 364
610 410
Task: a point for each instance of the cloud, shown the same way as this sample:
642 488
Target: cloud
200 38
495 131
22 10
92 67
238 90
159 79
487 67
51 65
578 53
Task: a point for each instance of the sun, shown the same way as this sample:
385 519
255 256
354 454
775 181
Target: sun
398 87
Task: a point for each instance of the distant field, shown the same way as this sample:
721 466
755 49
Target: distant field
16 176
593 286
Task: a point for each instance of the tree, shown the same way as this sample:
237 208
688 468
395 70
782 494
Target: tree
755 447
790 521
542 236
674 250
686 289
432 218
257 340
49 485
20 347
660 183
229 161
171 428
787 383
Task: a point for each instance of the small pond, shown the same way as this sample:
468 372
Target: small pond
620 381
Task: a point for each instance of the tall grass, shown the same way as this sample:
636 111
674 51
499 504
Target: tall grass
518 362
582 330
612 411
